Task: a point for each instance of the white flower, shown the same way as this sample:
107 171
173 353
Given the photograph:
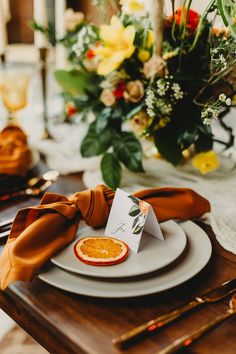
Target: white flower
167 109
150 98
222 97
133 7
228 101
175 87
207 121
179 95
209 113
223 61
162 87
151 113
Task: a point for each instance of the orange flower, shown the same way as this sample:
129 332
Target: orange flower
144 207
192 20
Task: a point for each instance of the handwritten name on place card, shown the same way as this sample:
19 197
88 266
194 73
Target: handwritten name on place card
129 217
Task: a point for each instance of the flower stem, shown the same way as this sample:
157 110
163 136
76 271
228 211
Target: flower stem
186 21
200 25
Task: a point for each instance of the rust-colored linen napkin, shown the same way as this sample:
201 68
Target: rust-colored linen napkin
15 155
39 232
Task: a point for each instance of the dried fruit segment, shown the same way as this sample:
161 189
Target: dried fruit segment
101 251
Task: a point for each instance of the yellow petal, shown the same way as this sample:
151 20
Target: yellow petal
107 65
129 34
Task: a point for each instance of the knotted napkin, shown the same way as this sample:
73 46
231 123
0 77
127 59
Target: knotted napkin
15 155
39 232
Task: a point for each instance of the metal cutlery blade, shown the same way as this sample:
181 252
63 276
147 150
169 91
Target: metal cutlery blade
213 295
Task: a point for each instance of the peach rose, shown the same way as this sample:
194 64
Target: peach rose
134 91
107 97
140 121
155 65
72 19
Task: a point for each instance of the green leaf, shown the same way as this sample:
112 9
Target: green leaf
111 170
129 151
204 141
134 199
166 141
227 10
136 220
134 210
102 119
138 229
95 144
134 111
75 82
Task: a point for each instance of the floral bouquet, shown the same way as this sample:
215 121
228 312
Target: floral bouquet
149 76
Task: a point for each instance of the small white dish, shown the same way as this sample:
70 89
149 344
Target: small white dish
195 258
153 255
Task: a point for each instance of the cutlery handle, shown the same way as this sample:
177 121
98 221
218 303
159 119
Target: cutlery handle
6 197
188 339
156 323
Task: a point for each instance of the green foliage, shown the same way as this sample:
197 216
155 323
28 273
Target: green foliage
129 151
102 119
167 144
76 82
96 144
227 10
111 170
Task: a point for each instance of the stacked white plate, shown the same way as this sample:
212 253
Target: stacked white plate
157 267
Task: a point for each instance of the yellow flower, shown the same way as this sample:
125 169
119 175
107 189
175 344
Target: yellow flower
150 39
117 45
143 55
169 55
163 122
133 7
206 162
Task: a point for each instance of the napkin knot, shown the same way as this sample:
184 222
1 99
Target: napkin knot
94 204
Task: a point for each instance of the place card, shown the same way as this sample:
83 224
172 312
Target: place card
129 218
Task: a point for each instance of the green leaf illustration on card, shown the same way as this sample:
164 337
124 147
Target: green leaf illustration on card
137 229
134 199
134 210
136 220
139 217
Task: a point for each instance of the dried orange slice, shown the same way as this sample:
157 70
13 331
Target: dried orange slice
101 251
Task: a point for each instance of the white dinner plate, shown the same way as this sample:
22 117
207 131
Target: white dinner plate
197 255
154 254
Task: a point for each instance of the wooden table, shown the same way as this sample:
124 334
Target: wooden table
64 323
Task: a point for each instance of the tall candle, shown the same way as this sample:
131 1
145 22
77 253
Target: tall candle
155 10
3 31
60 32
40 16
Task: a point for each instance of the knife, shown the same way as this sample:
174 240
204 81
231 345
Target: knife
214 295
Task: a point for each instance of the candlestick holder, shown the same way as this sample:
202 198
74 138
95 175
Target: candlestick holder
43 71
3 58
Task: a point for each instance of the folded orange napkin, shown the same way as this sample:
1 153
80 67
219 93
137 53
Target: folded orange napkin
15 155
38 232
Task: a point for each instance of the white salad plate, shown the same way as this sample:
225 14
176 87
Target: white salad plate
193 260
153 255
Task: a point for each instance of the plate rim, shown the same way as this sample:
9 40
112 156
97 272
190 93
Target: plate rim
165 264
187 276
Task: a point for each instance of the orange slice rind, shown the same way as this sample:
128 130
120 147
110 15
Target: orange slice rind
101 251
